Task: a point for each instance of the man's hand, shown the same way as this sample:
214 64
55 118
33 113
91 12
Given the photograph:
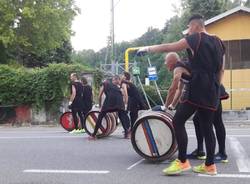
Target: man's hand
70 105
163 107
171 107
126 107
142 51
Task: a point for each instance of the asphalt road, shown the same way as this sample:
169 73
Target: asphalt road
50 155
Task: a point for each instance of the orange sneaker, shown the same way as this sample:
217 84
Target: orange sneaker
176 167
203 169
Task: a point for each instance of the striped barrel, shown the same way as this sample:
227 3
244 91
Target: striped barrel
67 122
108 125
153 136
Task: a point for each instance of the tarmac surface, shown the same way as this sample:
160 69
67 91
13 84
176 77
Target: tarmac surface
50 155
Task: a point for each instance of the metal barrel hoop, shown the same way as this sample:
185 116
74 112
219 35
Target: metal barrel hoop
90 122
67 122
114 124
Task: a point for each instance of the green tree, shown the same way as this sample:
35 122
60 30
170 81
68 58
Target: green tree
247 3
207 8
85 57
33 28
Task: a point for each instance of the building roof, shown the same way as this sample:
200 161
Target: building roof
223 15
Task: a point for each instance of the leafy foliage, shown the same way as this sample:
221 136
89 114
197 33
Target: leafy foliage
46 86
85 57
32 29
207 8
152 95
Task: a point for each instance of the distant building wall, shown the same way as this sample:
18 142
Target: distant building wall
234 30
233 27
237 83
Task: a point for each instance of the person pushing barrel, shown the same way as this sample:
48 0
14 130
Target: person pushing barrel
112 103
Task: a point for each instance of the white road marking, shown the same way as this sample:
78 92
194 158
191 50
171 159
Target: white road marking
238 135
135 164
65 171
41 137
2 130
242 159
226 176
232 135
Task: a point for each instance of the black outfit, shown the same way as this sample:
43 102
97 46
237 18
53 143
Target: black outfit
135 101
87 99
202 95
77 103
218 125
184 64
184 78
113 103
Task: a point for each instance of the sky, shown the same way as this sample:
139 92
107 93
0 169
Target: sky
132 19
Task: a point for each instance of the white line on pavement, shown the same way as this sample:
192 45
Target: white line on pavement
233 135
238 135
242 159
135 164
41 137
226 176
65 171
31 132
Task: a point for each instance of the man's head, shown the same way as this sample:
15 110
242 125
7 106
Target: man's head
116 80
84 81
171 59
126 76
196 24
73 77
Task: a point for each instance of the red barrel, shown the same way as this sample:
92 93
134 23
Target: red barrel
67 122
153 136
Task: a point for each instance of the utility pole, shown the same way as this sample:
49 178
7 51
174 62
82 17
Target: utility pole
113 64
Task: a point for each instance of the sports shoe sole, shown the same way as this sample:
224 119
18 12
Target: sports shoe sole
207 173
177 172
221 161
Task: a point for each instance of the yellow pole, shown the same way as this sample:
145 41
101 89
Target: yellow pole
128 50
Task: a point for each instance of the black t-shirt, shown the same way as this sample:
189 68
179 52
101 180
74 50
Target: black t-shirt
114 98
87 98
223 94
135 101
77 102
208 51
206 58
184 64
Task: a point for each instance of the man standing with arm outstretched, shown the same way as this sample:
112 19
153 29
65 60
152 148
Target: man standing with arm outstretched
206 58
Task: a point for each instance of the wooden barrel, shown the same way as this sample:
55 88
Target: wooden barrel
114 118
153 136
67 122
108 124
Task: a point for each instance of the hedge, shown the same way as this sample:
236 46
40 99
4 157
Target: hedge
46 86
153 96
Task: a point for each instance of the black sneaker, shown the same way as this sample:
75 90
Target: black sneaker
127 134
219 157
197 155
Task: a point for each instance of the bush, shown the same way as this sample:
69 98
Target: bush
47 86
153 96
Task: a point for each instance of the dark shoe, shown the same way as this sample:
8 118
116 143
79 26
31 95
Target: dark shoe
199 155
127 134
92 138
219 157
